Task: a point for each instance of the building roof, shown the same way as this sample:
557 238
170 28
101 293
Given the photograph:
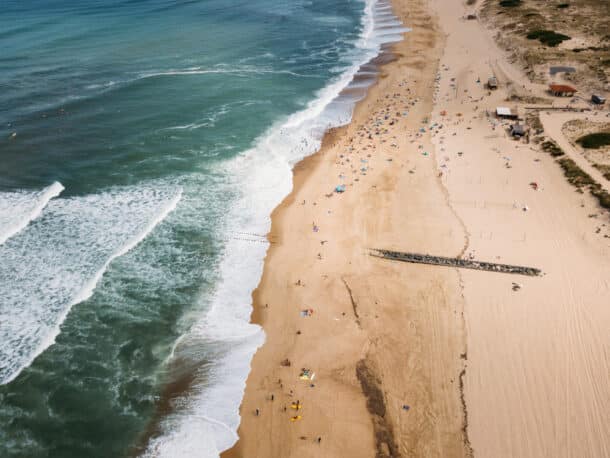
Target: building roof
561 69
518 129
503 111
561 88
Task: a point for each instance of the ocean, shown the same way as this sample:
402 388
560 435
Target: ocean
143 146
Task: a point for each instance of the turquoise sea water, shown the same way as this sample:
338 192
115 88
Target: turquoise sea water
143 144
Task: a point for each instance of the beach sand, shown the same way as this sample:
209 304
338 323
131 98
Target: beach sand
414 360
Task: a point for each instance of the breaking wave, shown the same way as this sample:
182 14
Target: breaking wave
18 209
58 261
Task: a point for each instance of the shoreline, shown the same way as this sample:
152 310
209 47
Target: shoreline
362 384
301 134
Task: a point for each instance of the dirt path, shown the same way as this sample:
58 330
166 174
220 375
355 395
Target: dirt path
553 123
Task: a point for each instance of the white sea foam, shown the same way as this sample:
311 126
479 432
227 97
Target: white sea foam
18 209
206 425
238 71
58 261
212 118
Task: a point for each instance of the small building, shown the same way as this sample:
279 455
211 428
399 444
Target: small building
517 130
560 90
492 83
506 113
598 99
561 69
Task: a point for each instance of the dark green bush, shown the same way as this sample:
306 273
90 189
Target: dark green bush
547 37
577 176
604 169
563 5
594 141
510 3
552 148
602 196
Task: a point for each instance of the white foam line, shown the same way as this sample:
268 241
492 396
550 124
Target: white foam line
87 291
49 193
235 71
177 436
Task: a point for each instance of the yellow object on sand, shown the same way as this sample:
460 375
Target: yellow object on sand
296 406
296 418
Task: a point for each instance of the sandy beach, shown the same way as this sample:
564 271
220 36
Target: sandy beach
368 357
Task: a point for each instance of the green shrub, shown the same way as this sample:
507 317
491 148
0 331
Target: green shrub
602 196
604 169
547 37
563 5
552 148
594 141
577 176
510 3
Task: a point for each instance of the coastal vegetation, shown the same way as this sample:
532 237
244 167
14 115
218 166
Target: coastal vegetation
602 195
595 140
532 32
552 148
548 37
510 3
604 169
575 175
581 179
